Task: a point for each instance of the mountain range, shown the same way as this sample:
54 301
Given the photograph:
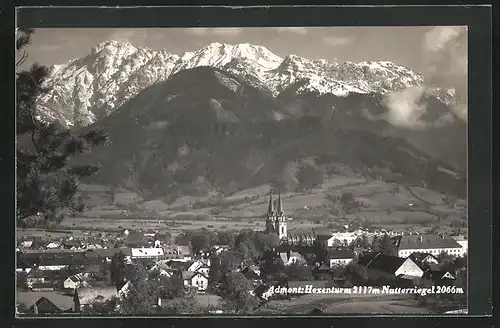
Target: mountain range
93 86
229 117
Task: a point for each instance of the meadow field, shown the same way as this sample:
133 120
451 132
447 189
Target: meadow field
410 208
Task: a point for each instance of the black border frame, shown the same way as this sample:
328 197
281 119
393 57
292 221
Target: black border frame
479 22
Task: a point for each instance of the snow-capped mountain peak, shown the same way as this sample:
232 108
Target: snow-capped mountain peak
87 88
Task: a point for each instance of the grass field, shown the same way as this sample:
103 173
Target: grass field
347 304
246 209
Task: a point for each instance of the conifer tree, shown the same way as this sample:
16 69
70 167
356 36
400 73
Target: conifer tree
47 181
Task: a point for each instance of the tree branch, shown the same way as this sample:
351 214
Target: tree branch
23 58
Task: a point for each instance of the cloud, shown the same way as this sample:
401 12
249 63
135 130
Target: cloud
404 108
438 37
445 49
293 29
337 40
219 31
124 34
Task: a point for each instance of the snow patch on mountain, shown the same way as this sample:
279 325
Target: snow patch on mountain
87 88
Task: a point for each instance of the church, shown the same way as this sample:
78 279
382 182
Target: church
276 222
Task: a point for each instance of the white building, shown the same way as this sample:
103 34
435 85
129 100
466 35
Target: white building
53 245
146 252
292 257
462 241
340 257
343 238
428 243
195 279
74 282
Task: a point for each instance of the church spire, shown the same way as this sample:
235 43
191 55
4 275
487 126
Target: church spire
280 205
270 210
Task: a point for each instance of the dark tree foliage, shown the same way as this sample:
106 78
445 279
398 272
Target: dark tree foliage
215 273
272 266
355 273
142 297
76 301
385 245
46 181
172 287
118 270
309 177
297 271
235 294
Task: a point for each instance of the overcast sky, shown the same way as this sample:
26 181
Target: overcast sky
402 45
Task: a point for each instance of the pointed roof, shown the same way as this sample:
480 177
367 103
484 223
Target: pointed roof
270 209
280 205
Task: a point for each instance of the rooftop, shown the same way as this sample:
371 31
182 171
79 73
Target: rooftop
381 262
425 241
62 301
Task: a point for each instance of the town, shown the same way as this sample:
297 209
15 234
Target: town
143 271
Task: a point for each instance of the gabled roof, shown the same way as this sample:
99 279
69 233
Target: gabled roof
418 257
139 252
340 254
61 301
188 275
381 262
109 252
180 265
74 279
50 274
425 241
323 237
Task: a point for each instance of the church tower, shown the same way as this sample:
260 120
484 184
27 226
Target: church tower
270 215
280 220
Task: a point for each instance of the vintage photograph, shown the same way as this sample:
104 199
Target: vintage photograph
241 171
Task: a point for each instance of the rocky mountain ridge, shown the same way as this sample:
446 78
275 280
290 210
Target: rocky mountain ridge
88 88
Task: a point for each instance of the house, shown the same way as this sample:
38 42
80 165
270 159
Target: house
126 232
74 282
91 271
45 306
180 265
35 276
462 241
27 243
162 270
23 267
322 272
344 238
204 269
433 244
146 252
184 252
292 257
440 274
53 245
195 265
108 253
195 279
72 244
42 287
94 246
337 257
385 267
423 258
218 249
87 296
